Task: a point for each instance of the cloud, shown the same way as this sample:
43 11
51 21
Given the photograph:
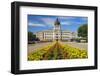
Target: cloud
73 18
67 18
65 23
48 21
70 23
35 24
84 19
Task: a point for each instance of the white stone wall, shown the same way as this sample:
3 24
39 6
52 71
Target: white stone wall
50 35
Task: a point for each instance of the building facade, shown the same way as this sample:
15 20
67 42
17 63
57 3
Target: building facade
56 34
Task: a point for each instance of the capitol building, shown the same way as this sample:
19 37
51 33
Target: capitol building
56 34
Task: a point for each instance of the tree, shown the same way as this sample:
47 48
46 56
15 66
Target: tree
31 36
83 31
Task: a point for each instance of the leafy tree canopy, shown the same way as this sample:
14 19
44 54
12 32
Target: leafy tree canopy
83 31
31 36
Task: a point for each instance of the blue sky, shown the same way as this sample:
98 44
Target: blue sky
44 22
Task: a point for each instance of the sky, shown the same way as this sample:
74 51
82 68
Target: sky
44 22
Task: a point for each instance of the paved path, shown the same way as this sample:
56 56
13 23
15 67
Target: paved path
78 45
33 47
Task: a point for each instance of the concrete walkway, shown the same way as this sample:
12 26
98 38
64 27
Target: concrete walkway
33 47
83 46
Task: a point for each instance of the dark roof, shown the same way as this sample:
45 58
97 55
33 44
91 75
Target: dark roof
57 22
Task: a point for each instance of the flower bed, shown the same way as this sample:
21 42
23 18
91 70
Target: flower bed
58 51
